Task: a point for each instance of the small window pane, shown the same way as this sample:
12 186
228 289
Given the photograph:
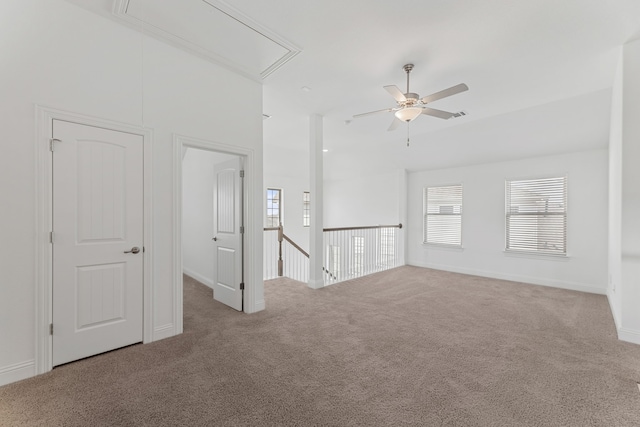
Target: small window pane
387 246
357 255
274 198
334 261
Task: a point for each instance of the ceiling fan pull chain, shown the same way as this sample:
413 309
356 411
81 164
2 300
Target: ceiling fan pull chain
407 134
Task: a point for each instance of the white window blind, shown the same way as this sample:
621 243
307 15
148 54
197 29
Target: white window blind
536 219
443 215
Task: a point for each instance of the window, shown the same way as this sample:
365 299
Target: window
334 261
443 215
306 209
274 205
536 216
387 246
357 255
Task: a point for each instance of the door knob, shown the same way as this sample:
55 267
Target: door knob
215 239
134 250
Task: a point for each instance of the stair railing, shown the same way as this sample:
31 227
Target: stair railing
352 252
349 252
290 259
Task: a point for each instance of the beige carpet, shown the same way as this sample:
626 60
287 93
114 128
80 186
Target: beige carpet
408 346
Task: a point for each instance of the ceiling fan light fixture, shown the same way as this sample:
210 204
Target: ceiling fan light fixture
408 114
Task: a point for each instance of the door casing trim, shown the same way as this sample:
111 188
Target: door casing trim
44 204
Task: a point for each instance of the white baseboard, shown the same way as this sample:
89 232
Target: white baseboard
164 331
514 278
624 334
258 306
16 372
629 335
614 309
316 284
199 277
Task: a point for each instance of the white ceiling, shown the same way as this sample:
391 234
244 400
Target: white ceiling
539 74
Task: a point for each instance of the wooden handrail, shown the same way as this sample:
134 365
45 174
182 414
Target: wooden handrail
362 228
367 227
295 245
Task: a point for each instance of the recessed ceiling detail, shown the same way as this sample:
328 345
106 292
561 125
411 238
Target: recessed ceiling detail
213 29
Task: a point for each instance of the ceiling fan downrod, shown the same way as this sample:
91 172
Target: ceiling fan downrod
407 68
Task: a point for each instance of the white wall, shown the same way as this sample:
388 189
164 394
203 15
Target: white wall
624 224
483 220
364 200
197 212
289 170
55 54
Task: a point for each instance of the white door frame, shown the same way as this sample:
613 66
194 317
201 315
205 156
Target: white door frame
181 142
44 213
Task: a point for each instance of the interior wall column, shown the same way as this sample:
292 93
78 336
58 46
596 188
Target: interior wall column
629 288
316 277
402 211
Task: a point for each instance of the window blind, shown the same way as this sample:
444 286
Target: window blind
536 215
443 215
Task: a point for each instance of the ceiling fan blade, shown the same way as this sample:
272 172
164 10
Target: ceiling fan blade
395 123
386 110
396 93
437 113
444 93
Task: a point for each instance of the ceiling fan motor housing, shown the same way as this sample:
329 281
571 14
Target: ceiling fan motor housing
412 99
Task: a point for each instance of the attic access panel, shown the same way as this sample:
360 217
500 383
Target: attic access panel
213 29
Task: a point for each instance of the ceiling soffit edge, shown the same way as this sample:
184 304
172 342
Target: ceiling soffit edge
243 24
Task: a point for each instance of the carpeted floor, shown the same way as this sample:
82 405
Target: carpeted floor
408 346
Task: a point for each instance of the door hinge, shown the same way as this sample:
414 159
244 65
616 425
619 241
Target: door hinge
242 229
241 174
51 237
242 286
51 141
50 328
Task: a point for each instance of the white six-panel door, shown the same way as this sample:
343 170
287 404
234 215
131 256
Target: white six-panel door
97 224
227 241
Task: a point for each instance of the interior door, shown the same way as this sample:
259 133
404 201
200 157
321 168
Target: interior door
227 240
97 240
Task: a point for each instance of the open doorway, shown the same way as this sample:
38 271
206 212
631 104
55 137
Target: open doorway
198 193
212 222
248 279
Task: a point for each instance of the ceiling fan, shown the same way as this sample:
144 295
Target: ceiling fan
410 105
